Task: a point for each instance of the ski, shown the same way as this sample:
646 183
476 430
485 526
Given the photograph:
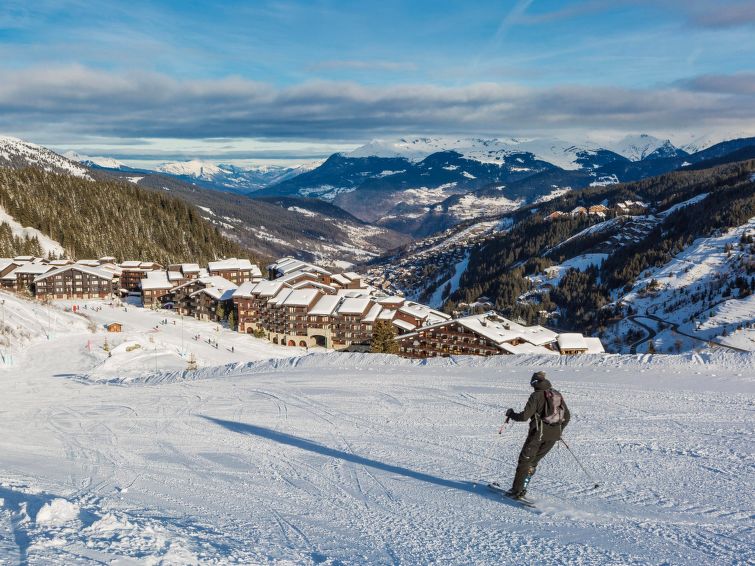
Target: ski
496 488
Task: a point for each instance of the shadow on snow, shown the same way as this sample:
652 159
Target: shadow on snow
304 444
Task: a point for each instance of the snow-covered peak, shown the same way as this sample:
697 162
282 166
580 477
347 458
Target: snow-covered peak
194 168
637 147
486 150
99 161
18 153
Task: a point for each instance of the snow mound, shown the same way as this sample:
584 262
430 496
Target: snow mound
57 512
355 360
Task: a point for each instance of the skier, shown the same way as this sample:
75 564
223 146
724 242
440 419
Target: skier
548 415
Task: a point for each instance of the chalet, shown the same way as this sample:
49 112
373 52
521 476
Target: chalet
286 265
155 288
579 211
482 335
348 280
189 270
107 259
250 300
74 282
598 209
26 274
235 270
211 303
132 273
555 215
296 307
114 327
8 269
571 343
201 297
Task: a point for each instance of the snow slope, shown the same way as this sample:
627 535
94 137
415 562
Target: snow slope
48 244
689 293
355 458
18 153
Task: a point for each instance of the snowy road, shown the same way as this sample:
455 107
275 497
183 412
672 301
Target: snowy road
359 459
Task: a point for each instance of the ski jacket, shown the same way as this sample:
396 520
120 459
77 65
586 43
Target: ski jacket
535 409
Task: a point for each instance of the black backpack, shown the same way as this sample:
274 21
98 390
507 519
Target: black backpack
554 407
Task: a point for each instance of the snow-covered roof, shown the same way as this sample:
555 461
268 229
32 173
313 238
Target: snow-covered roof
354 305
34 268
218 293
490 327
391 300
325 306
373 313
281 296
288 277
190 268
423 312
387 314
267 288
571 341
594 345
301 297
404 325
314 285
525 348
234 263
131 264
341 279
96 271
245 289
89 262
155 283
173 275
288 264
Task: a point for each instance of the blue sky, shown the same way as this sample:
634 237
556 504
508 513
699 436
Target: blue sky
295 80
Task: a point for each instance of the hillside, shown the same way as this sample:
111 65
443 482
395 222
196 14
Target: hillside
521 262
91 219
308 229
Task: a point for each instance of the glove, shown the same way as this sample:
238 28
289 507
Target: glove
509 412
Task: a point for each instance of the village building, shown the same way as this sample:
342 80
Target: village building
598 209
155 288
578 211
27 273
201 297
236 270
571 343
74 282
132 273
287 265
555 215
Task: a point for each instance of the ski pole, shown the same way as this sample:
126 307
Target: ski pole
592 479
486 457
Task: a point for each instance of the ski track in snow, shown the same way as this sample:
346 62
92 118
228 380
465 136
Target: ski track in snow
352 458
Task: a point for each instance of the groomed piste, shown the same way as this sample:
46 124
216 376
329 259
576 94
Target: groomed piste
358 458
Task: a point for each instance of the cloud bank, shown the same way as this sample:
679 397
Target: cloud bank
84 101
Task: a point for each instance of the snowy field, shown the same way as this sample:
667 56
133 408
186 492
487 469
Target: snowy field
353 458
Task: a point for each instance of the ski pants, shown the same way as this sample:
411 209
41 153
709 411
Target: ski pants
535 448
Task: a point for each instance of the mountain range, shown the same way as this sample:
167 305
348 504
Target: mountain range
423 185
